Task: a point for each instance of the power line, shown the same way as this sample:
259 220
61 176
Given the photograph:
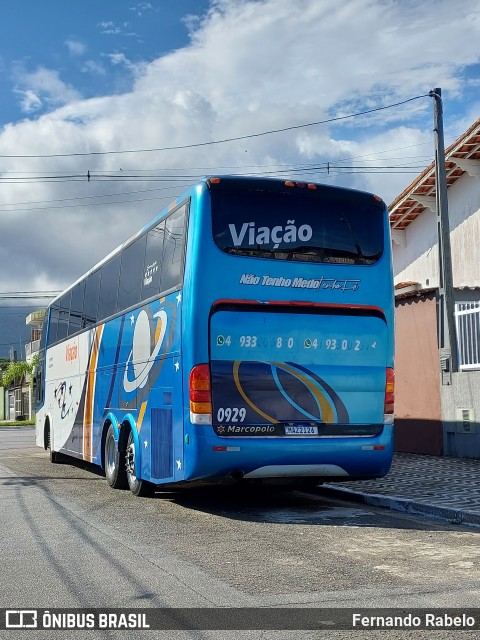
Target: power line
212 142
38 297
91 204
210 170
111 177
324 170
104 195
14 313
28 295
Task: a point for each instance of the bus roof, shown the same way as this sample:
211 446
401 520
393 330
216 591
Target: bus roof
227 183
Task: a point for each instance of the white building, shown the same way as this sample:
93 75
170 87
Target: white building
437 410
20 396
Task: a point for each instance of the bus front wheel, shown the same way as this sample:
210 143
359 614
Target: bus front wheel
54 455
138 487
115 471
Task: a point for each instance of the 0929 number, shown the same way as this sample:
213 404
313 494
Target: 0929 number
231 414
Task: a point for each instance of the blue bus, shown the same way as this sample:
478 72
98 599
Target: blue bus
244 334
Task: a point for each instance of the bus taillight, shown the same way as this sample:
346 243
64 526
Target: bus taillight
302 185
389 395
200 395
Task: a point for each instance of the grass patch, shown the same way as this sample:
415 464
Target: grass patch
17 423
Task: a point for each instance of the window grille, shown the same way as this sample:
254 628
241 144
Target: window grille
467 321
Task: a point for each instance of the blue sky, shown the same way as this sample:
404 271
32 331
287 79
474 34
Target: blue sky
88 46
115 75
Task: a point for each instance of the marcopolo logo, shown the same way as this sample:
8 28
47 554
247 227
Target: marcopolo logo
250 429
250 235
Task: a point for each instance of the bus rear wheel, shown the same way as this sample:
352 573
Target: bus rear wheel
115 471
138 487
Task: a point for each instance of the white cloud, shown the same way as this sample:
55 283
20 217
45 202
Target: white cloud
251 66
142 7
119 59
75 47
29 100
110 28
93 66
43 86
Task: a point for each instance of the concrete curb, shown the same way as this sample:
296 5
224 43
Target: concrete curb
17 426
448 514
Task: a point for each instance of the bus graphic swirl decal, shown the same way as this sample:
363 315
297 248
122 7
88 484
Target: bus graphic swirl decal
326 409
236 377
324 404
139 360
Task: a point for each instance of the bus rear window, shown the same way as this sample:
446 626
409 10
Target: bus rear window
302 226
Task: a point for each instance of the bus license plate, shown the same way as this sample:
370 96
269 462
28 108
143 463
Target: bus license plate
301 430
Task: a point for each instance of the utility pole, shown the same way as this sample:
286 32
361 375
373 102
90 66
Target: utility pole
446 300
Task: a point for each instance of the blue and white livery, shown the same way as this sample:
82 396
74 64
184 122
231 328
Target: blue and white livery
246 333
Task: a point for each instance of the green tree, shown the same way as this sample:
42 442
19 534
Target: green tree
3 366
15 370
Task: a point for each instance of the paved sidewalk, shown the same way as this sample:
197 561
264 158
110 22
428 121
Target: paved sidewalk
444 488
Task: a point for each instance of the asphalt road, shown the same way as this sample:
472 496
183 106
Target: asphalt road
70 541
16 438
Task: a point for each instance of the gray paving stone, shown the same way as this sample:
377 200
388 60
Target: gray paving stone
447 488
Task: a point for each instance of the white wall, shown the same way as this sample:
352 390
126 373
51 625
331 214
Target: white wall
418 260
461 439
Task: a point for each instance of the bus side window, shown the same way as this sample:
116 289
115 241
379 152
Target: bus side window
63 316
173 249
152 266
90 305
39 391
130 286
52 325
109 288
76 308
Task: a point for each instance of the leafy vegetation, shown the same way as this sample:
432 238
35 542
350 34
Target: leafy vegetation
3 365
14 372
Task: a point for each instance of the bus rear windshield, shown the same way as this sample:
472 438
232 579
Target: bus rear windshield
306 226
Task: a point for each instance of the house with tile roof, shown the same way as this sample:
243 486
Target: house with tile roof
438 408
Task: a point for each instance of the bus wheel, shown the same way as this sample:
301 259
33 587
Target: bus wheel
138 487
54 455
115 471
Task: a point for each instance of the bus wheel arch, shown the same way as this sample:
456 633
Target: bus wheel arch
113 456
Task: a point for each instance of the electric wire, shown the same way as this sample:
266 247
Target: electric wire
222 141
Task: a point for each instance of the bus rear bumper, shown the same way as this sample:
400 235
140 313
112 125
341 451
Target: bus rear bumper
297 471
345 458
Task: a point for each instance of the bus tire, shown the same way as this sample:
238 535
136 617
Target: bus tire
138 487
55 457
115 471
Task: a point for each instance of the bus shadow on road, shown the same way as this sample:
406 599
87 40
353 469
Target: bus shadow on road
62 471
268 504
295 507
